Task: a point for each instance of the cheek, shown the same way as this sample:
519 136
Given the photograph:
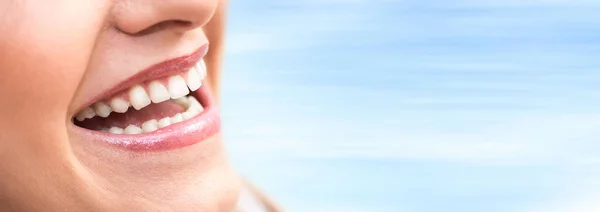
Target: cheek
44 52
43 55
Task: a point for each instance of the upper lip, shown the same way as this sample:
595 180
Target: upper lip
156 71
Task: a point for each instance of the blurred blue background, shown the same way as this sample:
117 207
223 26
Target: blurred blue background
416 105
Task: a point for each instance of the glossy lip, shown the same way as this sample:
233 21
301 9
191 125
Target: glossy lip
177 135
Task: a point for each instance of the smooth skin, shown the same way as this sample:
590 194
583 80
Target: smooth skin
56 55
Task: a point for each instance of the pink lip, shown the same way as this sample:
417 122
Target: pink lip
175 136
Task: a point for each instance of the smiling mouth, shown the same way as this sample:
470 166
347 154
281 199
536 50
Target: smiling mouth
148 106
163 107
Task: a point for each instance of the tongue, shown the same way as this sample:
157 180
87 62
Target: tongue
135 117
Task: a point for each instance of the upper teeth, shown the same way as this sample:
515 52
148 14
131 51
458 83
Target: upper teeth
141 95
177 87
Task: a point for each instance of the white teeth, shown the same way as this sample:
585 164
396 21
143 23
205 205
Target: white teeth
150 125
187 115
183 101
115 130
158 92
132 129
176 118
177 87
80 116
102 109
119 105
201 68
89 113
166 121
138 97
193 79
86 113
197 111
195 105
193 110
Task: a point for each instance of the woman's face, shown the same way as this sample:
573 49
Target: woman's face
105 105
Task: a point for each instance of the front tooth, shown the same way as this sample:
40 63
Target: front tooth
132 129
119 105
102 109
176 118
158 92
138 97
150 125
115 130
166 121
177 87
193 79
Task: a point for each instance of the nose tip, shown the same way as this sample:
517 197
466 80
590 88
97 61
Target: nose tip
147 16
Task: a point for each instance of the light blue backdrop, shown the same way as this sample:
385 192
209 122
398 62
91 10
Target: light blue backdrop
417 105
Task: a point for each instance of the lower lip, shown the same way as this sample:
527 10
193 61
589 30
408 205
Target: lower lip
175 136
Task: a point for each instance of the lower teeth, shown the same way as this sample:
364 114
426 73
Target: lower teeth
193 108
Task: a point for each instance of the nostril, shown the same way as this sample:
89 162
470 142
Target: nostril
171 24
